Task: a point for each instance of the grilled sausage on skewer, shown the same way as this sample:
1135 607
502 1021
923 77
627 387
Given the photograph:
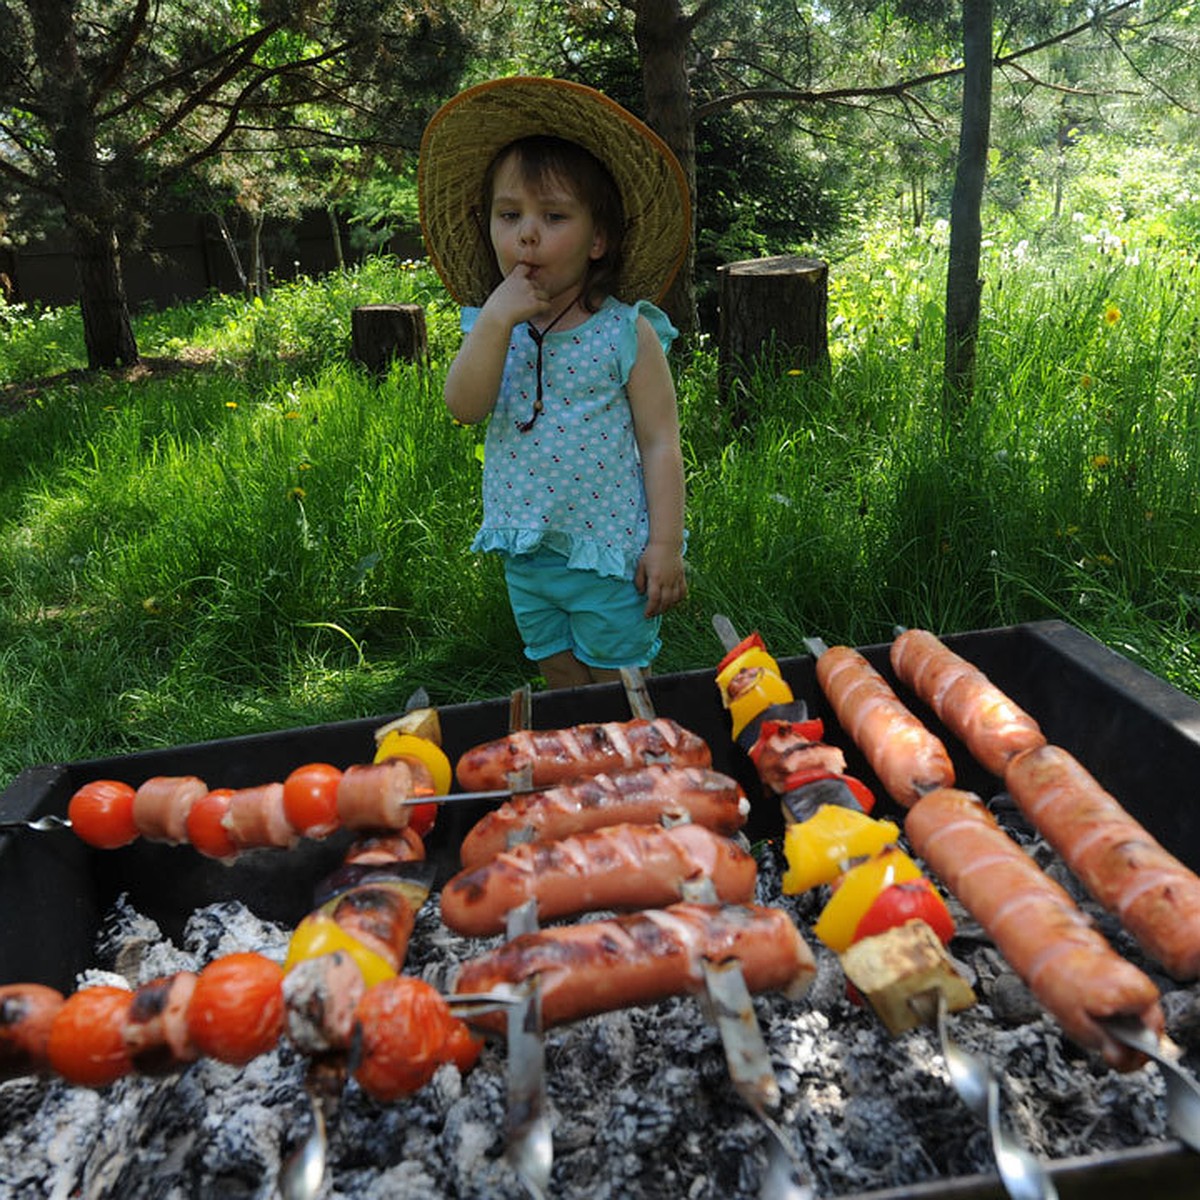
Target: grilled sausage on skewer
906 757
977 712
379 795
1074 973
1151 892
256 818
618 867
156 1029
27 1011
161 804
640 958
637 797
559 755
783 749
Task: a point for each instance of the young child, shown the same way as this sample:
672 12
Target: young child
556 218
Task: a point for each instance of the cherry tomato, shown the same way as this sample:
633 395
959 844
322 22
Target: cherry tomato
405 1025
915 899
87 1038
101 813
462 1047
310 799
236 1011
204 828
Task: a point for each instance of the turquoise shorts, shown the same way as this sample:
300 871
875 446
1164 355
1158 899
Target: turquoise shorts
599 619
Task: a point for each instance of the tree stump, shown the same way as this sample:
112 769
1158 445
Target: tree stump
380 333
770 306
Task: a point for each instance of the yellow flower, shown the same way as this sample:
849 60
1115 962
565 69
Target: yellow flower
1086 381
291 416
1112 314
297 493
231 404
1100 462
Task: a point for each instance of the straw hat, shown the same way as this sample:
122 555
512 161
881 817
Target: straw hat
467 132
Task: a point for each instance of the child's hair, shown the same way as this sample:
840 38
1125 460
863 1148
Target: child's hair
540 159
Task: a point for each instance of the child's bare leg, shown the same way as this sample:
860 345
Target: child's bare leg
565 671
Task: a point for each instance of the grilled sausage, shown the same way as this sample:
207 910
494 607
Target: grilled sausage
634 797
640 958
782 750
1074 973
380 915
255 817
977 712
560 755
906 757
27 1010
618 867
156 1031
406 845
161 804
1151 892
380 795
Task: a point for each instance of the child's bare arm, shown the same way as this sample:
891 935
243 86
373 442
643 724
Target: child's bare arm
473 381
660 573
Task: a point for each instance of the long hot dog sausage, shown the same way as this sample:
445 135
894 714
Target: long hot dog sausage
27 1010
634 797
618 867
1074 973
977 712
906 757
599 966
1150 891
559 755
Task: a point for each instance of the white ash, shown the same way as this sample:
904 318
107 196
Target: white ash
640 1101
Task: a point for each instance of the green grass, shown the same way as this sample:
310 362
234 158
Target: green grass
267 537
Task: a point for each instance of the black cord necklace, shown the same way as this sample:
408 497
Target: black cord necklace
539 336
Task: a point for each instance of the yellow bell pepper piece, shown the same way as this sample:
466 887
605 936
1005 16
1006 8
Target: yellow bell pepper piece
857 892
817 850
397 745
767 689
319 934
754 657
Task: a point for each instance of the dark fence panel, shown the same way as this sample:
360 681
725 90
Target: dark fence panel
185 257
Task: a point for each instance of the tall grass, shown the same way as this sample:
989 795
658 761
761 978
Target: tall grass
265 536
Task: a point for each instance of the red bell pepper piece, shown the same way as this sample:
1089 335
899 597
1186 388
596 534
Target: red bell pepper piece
916 899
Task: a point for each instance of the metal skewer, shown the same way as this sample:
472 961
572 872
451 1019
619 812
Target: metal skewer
1023 1177
530 1144
731 1009
1183 1092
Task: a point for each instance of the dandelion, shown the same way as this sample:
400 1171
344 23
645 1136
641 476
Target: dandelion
1100 462
293 415
1112 314
297 493
231 404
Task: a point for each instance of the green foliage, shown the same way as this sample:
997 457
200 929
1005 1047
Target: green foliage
266 537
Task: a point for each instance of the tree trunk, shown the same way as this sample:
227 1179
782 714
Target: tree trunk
87 204
663 37
963 285
380 333
107 332
770 307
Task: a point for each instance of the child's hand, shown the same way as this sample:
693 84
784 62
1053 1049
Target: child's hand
518 298
660 575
